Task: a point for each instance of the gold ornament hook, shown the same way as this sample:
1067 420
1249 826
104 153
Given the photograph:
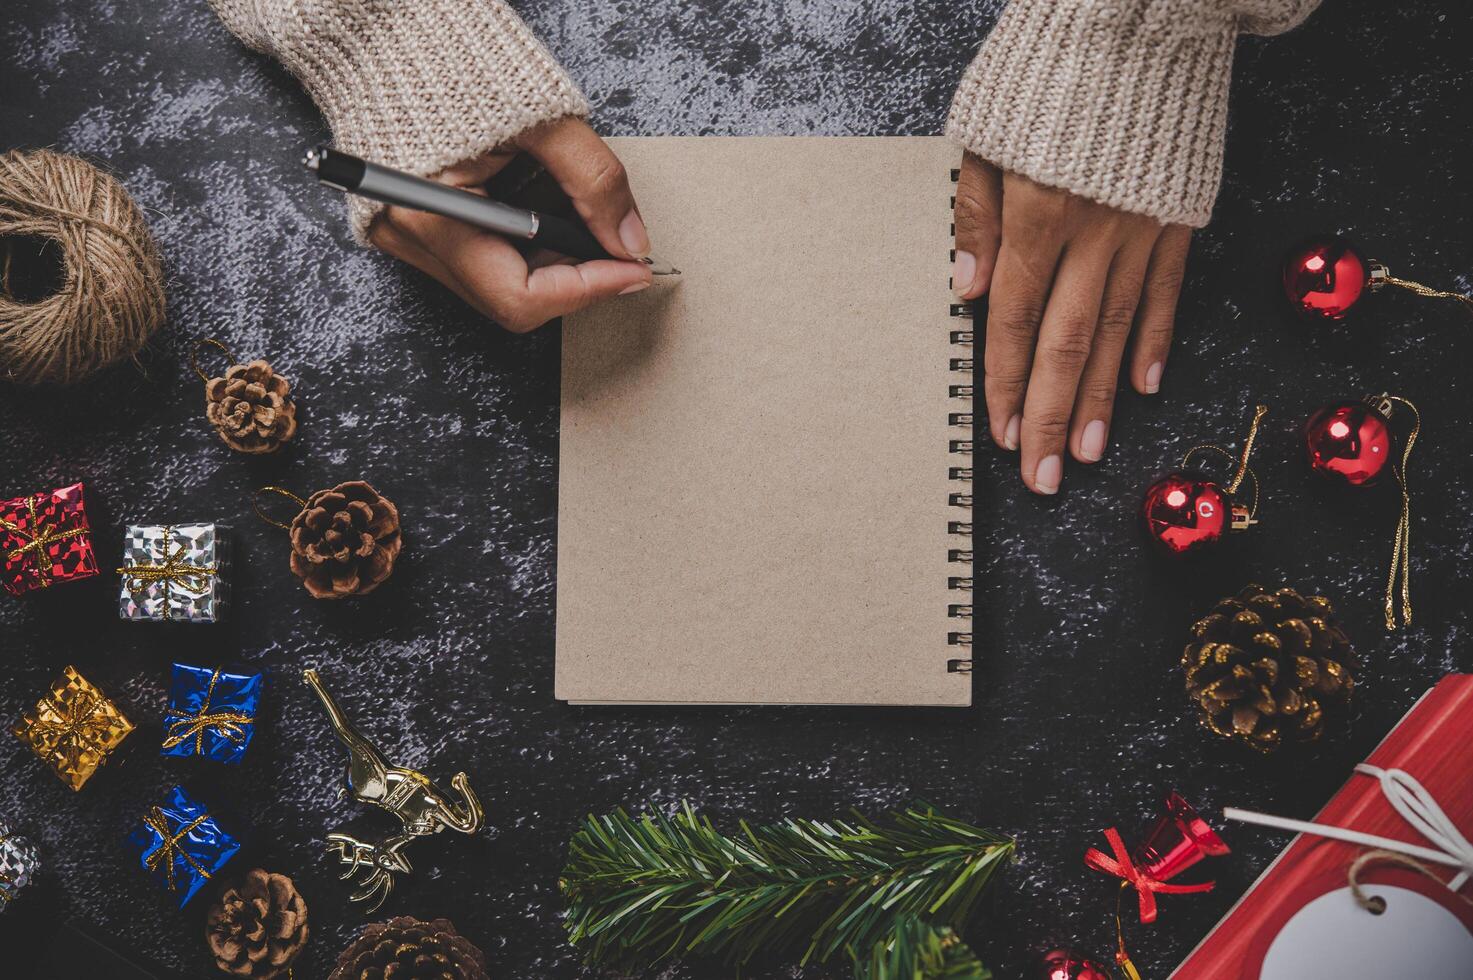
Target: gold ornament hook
1401 548
256 503
194 355
1243 471
1381 276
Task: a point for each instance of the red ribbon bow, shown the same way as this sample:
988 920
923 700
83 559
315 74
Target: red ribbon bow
1121 866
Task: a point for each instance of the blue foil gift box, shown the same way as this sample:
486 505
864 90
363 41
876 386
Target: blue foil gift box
211 713
175 572
181 845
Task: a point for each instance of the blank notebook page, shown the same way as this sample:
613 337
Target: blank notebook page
755 458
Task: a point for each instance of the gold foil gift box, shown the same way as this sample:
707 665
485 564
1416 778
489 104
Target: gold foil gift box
74 728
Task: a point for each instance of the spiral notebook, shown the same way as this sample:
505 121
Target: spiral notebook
765 475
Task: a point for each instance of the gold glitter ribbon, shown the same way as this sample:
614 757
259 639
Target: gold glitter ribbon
174 572
39 541
1243 471
1416 287
1401 547
73 735
159 824
227 724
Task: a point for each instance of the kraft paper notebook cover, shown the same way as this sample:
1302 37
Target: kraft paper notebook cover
765 475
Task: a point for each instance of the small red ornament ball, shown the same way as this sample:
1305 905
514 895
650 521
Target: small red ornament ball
1066 964
1323 279
1186 513
1348 441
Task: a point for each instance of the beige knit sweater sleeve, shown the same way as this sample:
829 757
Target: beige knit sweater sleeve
1120 101
418 85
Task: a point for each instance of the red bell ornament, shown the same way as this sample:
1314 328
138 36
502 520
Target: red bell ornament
1188 512
1068 964
1353 443
1178 839
1326 276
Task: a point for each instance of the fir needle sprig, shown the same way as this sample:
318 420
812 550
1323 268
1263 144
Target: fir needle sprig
889 896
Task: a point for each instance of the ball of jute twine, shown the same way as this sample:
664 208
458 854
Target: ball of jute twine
111 298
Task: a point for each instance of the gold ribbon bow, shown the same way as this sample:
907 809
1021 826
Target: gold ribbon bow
73 734
39 541
174 572
227 724
159 824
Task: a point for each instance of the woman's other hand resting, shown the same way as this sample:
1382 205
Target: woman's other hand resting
1070 284
487 272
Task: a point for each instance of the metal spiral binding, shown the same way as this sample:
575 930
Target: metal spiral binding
961 445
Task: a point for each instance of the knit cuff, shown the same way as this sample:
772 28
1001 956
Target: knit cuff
1119 104
418 86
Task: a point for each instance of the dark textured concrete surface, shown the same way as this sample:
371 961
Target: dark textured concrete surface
1355 123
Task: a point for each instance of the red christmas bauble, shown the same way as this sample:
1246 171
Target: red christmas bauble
1349 441
1066 964
1324 278
1185 512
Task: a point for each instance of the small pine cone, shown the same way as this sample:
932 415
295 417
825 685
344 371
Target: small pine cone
345 541
408 949
251 408
1265 667
258 926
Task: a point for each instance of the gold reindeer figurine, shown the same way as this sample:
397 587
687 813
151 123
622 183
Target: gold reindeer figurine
422 806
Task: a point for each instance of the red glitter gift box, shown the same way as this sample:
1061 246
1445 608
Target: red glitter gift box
45 538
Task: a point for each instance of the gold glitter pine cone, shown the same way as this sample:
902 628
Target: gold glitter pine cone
258 926
345 541
407 949
1265 668
251 408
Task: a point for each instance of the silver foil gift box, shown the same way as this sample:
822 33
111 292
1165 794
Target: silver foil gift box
175 572
18 862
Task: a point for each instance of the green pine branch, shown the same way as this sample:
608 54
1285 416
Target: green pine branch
645 890
920 950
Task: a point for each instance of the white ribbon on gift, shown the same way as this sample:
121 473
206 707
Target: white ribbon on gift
1416 806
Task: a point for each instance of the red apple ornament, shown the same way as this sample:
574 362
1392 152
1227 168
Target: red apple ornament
1352 442
1349 441
1326 276
1068 964
1187 512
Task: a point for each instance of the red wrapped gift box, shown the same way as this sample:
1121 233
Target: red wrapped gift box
45 538
1433 743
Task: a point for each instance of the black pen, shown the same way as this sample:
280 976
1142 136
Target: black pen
348 173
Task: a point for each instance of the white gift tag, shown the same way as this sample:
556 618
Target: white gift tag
1332 936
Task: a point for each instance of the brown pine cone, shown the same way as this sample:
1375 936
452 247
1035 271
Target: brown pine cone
258 926
1265 667
408 949
345 541
251 408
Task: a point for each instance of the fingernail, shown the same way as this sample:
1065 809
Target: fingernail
634 288
1153 377
634 236
1010 434
963 271
1046 478
1092 442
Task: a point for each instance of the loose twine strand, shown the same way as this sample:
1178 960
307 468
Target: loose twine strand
111 298
1375 903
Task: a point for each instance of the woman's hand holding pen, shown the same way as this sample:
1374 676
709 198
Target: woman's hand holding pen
1068 282
487 272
